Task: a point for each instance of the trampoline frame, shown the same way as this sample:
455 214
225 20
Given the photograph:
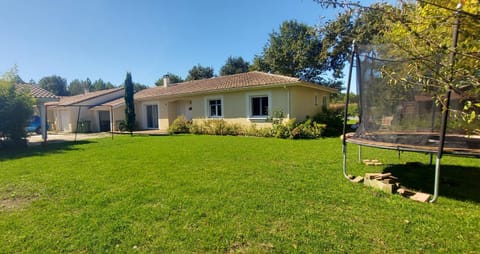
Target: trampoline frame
439 151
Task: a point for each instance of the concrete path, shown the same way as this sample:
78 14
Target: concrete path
62 137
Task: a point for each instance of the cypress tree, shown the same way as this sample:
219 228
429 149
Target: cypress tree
129 104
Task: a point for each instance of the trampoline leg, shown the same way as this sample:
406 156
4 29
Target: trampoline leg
345 162
437 181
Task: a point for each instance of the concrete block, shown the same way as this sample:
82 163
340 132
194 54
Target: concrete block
380 185
421 197
405 192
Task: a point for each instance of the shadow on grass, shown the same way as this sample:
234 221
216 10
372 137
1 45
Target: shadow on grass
40 149
457 182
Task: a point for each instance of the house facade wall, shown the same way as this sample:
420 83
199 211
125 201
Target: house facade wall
293 102
307 102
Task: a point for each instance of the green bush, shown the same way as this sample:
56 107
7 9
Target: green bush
216 127
16 108
333 121
353 109
283 130
308 130
290 129
180 125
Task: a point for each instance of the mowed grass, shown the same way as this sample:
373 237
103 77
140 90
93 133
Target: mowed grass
207 194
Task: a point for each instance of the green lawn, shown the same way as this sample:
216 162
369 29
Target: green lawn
208 194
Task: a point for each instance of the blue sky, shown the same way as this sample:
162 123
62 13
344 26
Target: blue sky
106 38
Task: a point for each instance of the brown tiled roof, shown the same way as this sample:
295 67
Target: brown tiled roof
36 91
224 83
71 100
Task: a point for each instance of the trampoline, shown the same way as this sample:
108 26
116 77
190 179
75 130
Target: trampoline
405 116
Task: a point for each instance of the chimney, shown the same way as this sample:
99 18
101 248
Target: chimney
166 81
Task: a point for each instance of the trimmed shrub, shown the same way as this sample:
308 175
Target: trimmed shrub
308 130
180 125
290 129
283 130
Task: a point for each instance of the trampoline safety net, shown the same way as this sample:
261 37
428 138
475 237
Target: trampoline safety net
397 111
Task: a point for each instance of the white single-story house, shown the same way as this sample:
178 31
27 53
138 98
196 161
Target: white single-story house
244 99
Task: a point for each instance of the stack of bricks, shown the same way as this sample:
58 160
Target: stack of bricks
390 184
382 181
387 183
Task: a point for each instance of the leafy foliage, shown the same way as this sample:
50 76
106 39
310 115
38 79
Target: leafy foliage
55 84
234 65
12 76
317 55
101 85
77 86
420 38
179 125
138 87
279 129
294 47
332 119
259 64
199 72
129 103
16 108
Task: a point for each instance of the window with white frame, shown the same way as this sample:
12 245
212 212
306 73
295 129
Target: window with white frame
259 106
315 101
215 108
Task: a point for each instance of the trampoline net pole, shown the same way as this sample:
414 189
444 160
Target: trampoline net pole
345 116
437 180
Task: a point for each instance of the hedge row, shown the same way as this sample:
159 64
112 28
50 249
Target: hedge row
280 129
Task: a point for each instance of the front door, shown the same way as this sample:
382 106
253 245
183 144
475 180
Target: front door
104 120
152 116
